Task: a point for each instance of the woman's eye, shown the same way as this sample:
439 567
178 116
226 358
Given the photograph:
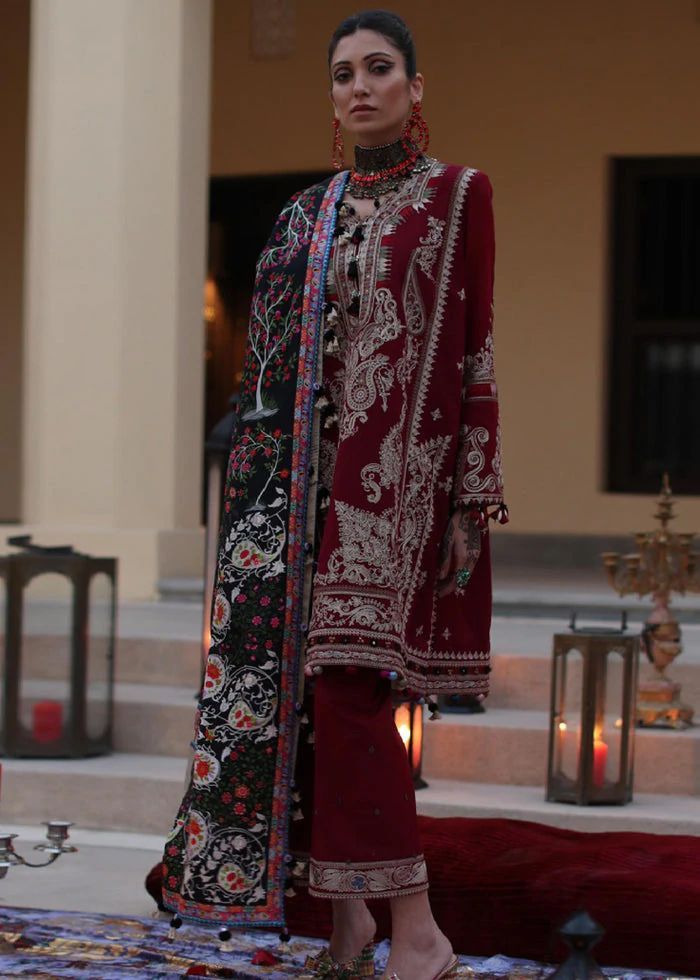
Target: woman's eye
342 77
381 68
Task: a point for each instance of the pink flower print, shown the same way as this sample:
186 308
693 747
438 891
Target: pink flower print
264 600
257 620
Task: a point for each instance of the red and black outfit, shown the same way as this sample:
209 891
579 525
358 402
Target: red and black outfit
369 414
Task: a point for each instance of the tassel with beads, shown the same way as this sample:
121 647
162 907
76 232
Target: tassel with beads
175 924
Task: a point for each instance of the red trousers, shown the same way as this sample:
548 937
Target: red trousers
365 837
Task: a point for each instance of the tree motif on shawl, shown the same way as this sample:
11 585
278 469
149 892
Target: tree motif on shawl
274 318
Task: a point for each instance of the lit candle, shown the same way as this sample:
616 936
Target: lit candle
600 761
47 721
402 720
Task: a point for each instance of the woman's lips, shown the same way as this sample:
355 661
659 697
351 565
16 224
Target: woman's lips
363 108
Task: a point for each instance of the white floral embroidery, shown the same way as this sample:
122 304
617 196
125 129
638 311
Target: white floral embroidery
430 246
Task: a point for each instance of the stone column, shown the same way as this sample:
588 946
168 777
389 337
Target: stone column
115 264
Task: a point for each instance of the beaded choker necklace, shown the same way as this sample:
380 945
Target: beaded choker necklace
379 169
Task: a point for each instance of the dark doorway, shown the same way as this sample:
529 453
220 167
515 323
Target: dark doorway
242 211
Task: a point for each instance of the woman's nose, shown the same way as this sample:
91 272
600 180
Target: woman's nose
360 86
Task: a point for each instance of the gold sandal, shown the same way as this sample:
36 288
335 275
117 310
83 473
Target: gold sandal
448 972
324 966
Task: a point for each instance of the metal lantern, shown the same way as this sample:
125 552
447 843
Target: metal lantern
408 718
58 673
592 724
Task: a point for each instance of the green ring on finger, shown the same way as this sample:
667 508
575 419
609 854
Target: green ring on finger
462 577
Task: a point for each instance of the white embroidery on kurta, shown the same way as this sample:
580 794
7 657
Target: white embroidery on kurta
475 481
387 472
462 294
430 245
369 375
378 566
480 366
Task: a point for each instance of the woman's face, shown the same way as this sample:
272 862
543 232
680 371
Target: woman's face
370 90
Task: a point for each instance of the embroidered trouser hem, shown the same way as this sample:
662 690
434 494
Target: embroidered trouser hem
365 839
376 879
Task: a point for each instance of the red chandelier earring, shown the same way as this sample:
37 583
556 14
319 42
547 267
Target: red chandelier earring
416 128
338 153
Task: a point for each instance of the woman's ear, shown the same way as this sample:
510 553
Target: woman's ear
417 86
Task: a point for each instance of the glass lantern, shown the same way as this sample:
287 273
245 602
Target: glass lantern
592 723
59 611
408 718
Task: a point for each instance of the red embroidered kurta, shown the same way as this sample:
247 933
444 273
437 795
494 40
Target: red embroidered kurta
408 370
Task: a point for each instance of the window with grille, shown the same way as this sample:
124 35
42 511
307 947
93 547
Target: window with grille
654 373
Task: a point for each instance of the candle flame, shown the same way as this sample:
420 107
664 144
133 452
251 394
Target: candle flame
405 733
563 726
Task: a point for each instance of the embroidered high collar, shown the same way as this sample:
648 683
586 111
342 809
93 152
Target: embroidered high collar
379 169
371 160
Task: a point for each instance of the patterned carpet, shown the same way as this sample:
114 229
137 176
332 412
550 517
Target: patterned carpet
41 944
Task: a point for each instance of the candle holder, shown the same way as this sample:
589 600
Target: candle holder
58 668
591 734
662 564
56 834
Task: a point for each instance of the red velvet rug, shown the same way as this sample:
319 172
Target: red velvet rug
505 886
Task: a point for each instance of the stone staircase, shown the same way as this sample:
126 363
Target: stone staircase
490 764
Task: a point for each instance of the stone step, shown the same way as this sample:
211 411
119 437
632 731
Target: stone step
521 664
140 794
509 747
501 746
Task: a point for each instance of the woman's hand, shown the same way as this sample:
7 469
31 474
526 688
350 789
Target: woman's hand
460 549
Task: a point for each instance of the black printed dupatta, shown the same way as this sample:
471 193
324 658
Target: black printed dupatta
226 857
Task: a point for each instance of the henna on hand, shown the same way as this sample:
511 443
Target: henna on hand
460 548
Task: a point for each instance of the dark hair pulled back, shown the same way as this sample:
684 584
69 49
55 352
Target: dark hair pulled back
393 27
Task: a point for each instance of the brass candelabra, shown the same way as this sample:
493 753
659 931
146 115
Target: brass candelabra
663 563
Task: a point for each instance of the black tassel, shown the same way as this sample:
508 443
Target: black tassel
358 235
353 272
354 305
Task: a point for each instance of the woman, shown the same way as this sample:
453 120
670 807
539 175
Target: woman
354 547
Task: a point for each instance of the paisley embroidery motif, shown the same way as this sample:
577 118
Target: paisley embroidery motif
475 438
430 244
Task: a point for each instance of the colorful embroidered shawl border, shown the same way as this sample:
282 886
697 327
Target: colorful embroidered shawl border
309 346
271 913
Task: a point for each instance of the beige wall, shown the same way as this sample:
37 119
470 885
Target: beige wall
539 95
14 71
